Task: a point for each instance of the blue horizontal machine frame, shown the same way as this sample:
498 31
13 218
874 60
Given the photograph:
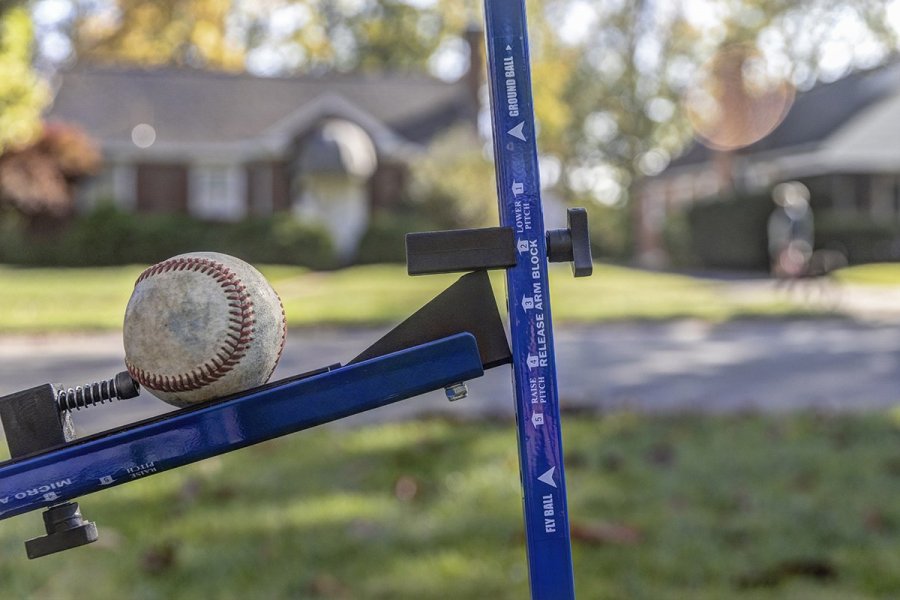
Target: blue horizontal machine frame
133 452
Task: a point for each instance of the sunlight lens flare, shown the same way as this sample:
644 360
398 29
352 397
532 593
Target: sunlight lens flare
737 100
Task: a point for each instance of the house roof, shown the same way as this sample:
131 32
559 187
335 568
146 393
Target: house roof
192 107
827 117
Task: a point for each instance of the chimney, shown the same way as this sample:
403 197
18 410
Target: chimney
474 77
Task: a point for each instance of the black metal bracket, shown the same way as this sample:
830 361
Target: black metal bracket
33 422
466 306
462 250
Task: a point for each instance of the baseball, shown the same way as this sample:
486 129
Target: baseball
201 326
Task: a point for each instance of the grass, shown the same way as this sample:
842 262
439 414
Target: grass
883 274
745 507
49 300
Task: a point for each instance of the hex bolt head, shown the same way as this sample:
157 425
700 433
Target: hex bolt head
457 391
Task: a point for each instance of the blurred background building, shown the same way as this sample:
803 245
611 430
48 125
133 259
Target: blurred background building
221 146
672 123
841 140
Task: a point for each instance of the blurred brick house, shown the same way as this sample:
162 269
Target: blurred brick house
840 139
218 146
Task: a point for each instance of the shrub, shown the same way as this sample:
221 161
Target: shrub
107 236
453 184
677 236
860 238
731 233
385 239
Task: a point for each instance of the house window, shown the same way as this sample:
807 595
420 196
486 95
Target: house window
217 193
162 188
882 197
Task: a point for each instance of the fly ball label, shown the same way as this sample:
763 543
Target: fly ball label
549 514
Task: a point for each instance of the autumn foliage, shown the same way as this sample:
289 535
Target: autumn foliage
37 178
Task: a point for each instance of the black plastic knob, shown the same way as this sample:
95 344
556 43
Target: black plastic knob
66 529
572 245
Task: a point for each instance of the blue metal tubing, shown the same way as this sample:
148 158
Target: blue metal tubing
191 435
531 331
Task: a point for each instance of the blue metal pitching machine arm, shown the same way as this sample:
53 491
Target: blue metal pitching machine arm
453 338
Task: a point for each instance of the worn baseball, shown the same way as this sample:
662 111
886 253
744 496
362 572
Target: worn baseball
201 326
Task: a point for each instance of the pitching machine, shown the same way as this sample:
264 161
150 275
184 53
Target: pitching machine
452 339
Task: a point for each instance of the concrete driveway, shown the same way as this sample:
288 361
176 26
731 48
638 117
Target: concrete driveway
685 365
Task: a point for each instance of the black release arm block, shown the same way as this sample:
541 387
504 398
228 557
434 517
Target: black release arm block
460 250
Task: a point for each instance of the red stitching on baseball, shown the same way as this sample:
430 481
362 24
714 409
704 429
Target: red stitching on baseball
283 336
237 341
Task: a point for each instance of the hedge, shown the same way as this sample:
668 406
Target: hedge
860 238
730 233
110 237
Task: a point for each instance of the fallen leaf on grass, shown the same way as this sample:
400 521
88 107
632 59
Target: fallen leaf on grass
406 488
661 454
327 586
617 534
159 558
811 568
876 521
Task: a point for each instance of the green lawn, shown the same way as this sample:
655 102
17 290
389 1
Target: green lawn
662 508
40 300
885 274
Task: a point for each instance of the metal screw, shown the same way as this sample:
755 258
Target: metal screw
457 391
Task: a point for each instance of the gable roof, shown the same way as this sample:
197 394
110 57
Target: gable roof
817 115
195 107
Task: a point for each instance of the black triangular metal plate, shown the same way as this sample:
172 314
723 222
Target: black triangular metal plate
466 306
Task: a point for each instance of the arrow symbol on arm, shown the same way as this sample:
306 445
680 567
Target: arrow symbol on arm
518 131
548 477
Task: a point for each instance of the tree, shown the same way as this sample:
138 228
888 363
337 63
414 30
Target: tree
22 94
166 32
453 184
272 36
37 179
641 58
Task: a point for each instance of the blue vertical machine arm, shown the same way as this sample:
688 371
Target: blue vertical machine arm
534 363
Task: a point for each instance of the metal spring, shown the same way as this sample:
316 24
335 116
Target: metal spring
87 395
